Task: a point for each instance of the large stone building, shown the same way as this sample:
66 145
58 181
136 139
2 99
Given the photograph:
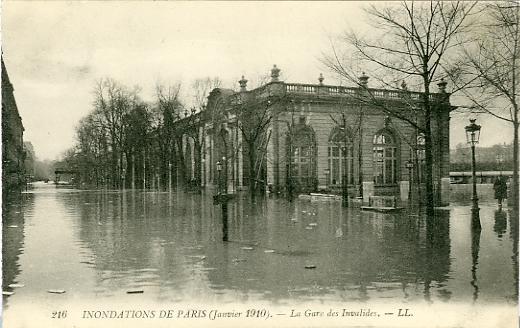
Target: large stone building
307 138
13 153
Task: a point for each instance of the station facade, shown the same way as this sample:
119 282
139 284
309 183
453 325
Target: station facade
318 137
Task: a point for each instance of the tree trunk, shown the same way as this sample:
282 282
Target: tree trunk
514 186
180 162
430 196
360 153
252 159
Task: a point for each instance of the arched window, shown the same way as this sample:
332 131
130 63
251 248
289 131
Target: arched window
301 151
221 149
188 160
385 158
340 159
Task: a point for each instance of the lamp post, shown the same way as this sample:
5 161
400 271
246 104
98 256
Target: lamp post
225 167
327 175
473 135
409 166
222 200
219 183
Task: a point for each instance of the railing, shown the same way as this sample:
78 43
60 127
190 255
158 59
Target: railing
305 88
338 90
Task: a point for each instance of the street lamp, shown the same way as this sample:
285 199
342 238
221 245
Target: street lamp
409 166
219 169
473 135
222 200
225 167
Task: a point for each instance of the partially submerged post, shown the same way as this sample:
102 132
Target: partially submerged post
222 198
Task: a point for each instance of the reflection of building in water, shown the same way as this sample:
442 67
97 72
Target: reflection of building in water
358 255
134 242
12 245
175 241
437 254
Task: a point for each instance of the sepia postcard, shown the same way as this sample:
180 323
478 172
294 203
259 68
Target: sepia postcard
260 164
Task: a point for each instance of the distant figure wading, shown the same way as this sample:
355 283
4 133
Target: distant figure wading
500 189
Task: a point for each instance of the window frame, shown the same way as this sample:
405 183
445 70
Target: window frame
385 158
340 159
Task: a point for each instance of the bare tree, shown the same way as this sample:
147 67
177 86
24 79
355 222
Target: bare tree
168 132
92 149
411 41
112 103
492 62
253 118
196 120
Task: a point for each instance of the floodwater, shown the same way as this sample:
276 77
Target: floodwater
133 247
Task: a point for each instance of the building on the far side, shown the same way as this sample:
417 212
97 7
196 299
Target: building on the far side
322 137
13 154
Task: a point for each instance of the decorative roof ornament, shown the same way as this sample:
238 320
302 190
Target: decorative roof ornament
404 86
243 84
363 80
442 85
321 78
275 71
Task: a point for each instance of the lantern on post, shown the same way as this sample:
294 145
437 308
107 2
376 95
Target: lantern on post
219 183
473 136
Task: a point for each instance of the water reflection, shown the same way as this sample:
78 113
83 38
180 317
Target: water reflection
437 255
169 245
500 225
513 224
13 224
475 247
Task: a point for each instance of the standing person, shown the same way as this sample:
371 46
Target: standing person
500 190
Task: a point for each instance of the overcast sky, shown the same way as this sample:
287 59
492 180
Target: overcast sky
56 51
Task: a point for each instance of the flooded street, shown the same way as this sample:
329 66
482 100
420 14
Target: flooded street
98 248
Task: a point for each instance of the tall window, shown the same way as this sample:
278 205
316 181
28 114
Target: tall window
341 159
188 160
385 158
302 158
